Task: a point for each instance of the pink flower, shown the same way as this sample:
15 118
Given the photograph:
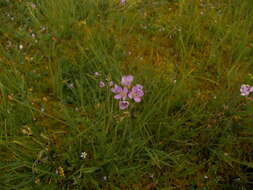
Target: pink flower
138 86
111 83
123 105
246 90
97 73
116 89
122 1
101 84
136 93
121 93
127 80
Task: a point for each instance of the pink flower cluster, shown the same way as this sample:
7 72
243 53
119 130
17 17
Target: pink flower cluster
124 92
127 91
246 89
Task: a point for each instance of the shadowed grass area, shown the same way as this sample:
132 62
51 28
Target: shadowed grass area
192 130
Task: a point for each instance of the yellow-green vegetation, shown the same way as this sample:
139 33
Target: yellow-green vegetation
192 130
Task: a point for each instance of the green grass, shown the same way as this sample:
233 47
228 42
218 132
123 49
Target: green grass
192 130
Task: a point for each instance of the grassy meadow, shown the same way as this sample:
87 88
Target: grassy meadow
61 127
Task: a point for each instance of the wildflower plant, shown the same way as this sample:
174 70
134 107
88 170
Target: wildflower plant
246 89
125 92
83 155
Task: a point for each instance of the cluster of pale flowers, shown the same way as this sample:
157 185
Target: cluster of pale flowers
246 89
125 92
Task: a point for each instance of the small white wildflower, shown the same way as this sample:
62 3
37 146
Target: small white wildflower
33 5
105 178
97 74
42 28
27 131
20 46
206 177
71 85
83 155
37 180
111 83
122 1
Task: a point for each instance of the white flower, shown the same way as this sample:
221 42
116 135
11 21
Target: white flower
122 1
71 85
33 5
111 83
20 46
97 74
83 155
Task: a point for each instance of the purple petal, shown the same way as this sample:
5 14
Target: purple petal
138 86
118 96
116 89
123 93
127 80
130 78
123 105
130 95
139 93
245 90
125 90
137 99
245 93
